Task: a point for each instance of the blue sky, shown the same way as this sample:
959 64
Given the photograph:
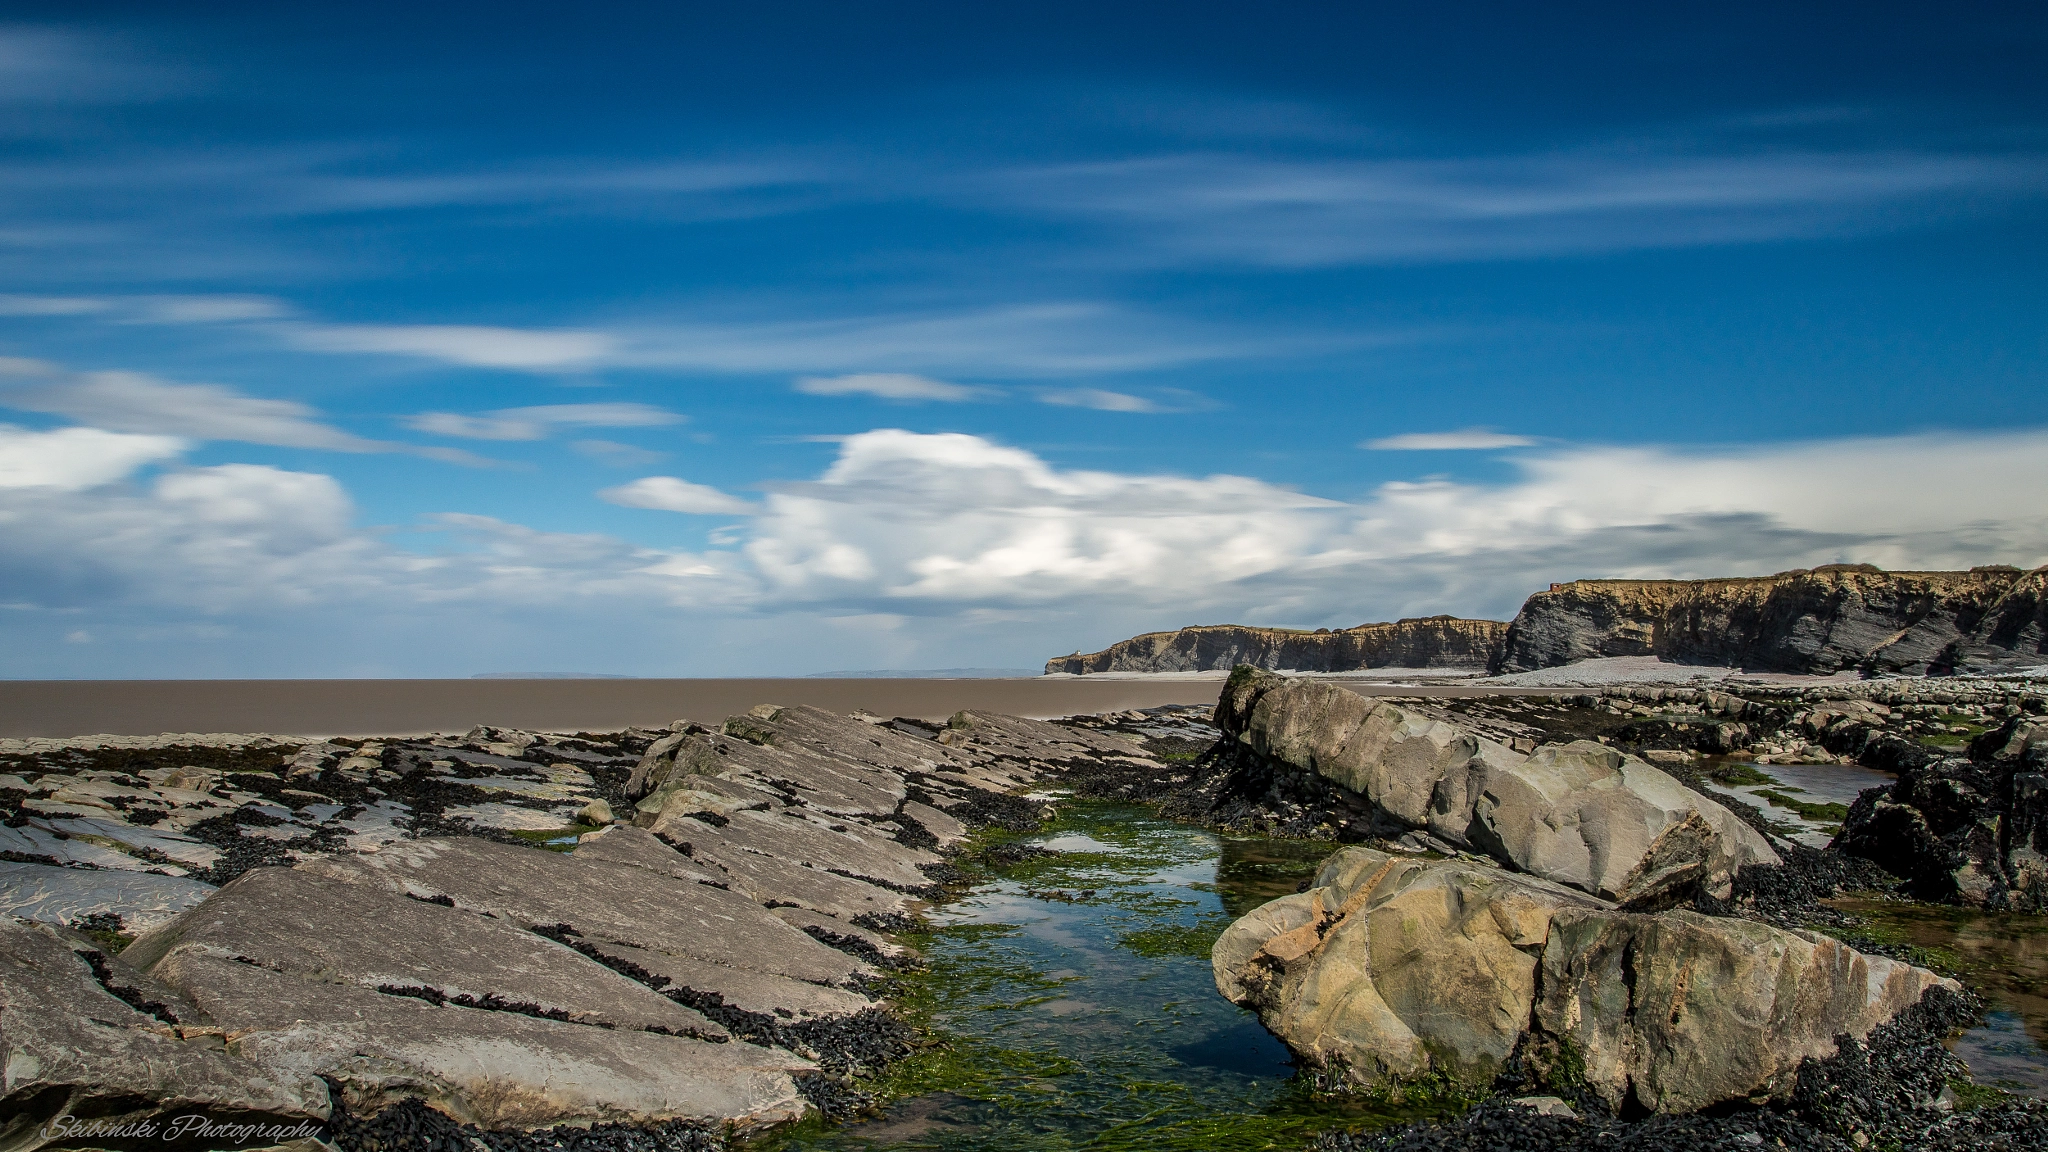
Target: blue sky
780 338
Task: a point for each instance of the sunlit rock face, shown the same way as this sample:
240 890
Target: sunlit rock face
1395 969
1441 642
1841 616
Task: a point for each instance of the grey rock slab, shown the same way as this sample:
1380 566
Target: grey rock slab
639 848
832 930
513 817
885 750
1585 815
492 1069
596 899
945 829
799 841
66 895
32 840
758 992
842 788
768 878
314 928
73 1047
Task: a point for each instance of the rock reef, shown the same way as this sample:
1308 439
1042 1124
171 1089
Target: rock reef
1440 642
327 932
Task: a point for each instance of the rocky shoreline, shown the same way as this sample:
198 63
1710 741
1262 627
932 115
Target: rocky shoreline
324 929
336 930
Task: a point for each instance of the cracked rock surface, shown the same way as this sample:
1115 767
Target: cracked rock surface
425 936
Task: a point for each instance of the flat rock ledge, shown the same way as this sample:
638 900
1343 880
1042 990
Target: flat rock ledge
371 934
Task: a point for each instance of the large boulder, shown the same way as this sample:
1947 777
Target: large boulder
1396 969
1580 814
1583 814
1679 1011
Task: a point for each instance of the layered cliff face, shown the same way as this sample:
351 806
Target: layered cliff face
1433 642
1825 620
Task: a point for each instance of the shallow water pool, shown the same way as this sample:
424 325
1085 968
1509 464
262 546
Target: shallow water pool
2004 958
1078 1010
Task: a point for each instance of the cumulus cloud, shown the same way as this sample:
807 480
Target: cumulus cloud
941 524
1463 438
538 421
995 542
891 386
74 458
670 494
956 518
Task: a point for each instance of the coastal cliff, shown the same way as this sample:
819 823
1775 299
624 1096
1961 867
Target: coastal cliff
1830 619
1431 642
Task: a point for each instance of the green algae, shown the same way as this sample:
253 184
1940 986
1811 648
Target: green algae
1807 809
1068 1004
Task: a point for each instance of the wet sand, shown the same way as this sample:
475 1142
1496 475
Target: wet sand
58 708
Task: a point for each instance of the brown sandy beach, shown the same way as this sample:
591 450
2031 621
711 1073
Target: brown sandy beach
58 708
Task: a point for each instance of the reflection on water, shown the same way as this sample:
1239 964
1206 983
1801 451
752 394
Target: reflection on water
1790 784
1095 1023
2003 958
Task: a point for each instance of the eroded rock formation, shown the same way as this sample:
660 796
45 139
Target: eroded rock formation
1829 619
1973 829
1577 813
1394 969
1443 642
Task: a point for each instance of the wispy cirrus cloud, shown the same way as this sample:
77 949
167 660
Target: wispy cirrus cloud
141 403
145 405
470 345
1460 440
538 421
1337 210
893 386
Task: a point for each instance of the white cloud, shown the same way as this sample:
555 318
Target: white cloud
537 422
221 309
1098 399
75 458
669 494
993 542
1234 207
524 349
617 454
13 305
956 518
135 402
1463 438
951 523
891 386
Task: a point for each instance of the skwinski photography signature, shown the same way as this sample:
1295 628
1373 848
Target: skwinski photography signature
178 1129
